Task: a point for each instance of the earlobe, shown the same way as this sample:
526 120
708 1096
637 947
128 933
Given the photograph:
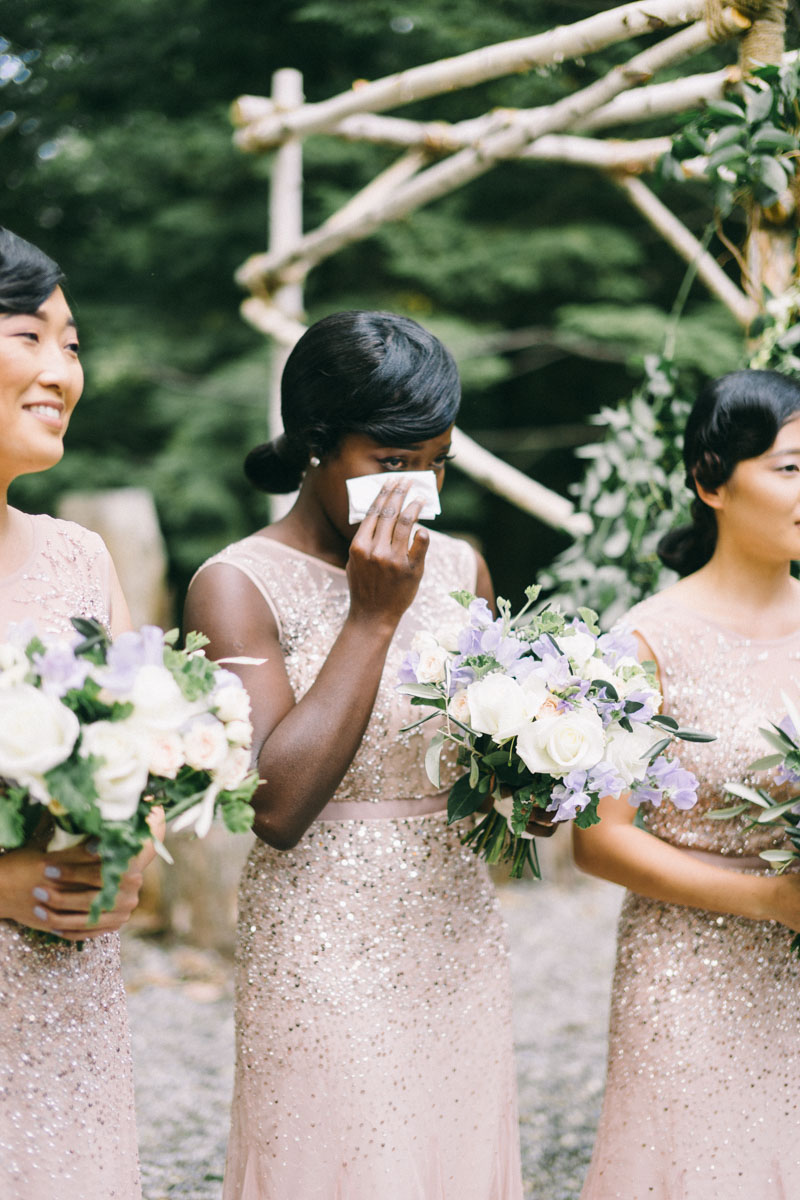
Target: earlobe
713 497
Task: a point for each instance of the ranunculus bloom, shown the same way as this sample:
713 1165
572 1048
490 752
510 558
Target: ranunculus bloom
166 753
205 744
459 707
500 706
578 646
37 732
558 743
121 774
234 769
231 703
432 658
239 733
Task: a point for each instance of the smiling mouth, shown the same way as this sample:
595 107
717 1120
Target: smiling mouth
51 414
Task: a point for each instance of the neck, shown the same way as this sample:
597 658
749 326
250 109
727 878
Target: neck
306 527
752 591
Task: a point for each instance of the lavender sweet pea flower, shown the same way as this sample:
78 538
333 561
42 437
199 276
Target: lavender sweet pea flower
480 615
605 780
460 677
618 643
128 654
648 702
408 668
569 797
60 670
666 780
786 725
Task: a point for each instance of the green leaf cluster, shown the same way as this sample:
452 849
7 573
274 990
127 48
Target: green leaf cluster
751 139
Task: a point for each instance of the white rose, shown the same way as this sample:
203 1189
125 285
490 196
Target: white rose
231 703
628 753
14 665
239 733
205 744
157 700
166 753
459 707
558 743
499 706
579 647
235 768
37 732
121 775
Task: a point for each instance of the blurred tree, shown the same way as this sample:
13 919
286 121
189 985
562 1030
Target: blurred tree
117 158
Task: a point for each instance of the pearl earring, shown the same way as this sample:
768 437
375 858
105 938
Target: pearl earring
314 461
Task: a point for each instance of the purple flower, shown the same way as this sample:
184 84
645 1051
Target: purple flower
666 780
128 654
646 699
569 798
604 780
618 643
60 670
408 668
786 725
480 614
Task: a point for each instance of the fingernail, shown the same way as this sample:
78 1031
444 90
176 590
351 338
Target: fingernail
52 872
40 893
41 914
93 845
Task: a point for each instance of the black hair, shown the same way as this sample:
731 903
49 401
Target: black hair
27 275
735 417
373 373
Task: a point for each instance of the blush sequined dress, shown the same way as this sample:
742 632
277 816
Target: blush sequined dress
373 1010
703 1092
67 1125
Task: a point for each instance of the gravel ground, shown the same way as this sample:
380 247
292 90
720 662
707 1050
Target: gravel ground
562 940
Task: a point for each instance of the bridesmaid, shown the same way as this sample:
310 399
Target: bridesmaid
373 1015
67 1129
703 1091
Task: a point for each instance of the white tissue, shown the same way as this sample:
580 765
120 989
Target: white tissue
362 490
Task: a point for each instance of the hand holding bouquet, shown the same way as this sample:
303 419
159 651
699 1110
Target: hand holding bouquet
547 714
96 733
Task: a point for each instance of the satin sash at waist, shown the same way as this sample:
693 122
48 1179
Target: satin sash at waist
378 810
730 862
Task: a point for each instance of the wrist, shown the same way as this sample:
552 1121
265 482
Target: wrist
379 628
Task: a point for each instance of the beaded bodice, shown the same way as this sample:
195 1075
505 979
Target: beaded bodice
310 600
719 681
66 574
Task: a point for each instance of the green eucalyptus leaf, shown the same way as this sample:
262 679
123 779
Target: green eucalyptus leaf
724 814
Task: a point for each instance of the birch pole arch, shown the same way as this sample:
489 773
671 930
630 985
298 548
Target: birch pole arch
437 157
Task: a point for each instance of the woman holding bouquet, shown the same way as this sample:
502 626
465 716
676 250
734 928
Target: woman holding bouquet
702 1098
373 1014
67 1129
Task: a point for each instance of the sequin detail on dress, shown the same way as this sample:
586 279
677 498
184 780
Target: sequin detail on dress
703 1095
374 1053
67 1125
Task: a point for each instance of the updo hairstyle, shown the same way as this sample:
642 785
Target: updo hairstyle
735 417
372 373
27 275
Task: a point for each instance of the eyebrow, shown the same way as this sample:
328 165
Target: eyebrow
782 453
70 323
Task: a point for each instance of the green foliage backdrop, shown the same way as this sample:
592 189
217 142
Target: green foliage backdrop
117 158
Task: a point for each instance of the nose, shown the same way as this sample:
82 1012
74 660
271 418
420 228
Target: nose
58 370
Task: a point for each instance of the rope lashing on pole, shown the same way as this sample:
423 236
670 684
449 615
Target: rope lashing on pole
763 42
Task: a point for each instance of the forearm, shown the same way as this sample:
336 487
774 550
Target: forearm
306 755
637 860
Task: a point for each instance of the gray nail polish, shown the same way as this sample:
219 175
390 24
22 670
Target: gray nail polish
40 893
41 914
52 872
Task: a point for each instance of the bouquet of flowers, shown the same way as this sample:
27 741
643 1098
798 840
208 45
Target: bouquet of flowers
784 762
547 713
96 733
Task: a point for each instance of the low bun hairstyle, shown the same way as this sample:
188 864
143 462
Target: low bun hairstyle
735 417
373 373
27 275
